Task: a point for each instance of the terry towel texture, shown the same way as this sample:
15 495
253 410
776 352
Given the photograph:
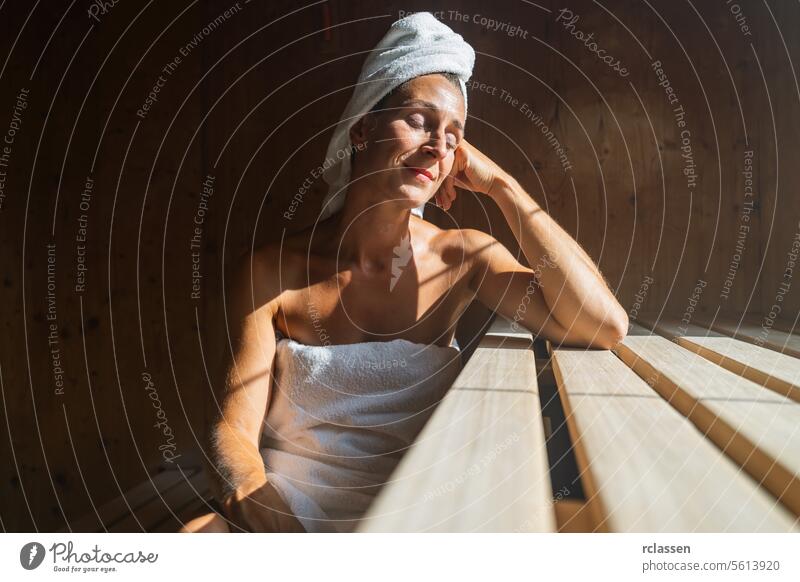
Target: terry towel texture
340 419
415 45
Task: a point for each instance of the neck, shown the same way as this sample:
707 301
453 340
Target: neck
371 230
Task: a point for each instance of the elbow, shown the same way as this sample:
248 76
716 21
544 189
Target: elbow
612 332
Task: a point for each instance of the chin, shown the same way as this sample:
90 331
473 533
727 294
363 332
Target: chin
416 195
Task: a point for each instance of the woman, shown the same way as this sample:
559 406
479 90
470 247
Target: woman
376 272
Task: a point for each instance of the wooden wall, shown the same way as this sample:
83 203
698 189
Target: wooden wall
252 103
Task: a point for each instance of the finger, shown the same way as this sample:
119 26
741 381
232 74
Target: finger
443 193
451 193
461 165
285 520
268 520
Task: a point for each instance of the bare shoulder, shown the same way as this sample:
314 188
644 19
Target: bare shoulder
476 240
447 240
473 244
254 280
482 253
468 249
280 263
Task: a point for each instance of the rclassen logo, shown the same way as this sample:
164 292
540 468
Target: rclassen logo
31 555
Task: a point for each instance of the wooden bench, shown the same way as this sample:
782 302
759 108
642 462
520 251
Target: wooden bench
480 463
650 426
756 330
667 437
678 429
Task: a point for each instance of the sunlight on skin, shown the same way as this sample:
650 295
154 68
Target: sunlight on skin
415 152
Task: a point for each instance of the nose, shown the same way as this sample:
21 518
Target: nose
436 146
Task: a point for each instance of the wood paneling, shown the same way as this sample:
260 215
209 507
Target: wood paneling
252 103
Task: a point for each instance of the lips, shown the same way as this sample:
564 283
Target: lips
421 173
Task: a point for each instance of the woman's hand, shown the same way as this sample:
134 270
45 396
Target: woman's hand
472 170
257 506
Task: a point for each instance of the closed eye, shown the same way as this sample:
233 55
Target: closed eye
417 121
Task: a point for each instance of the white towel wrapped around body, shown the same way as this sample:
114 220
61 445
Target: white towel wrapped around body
415 45
342 416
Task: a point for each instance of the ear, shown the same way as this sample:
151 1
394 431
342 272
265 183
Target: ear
361 129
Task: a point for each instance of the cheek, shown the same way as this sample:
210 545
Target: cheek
400 137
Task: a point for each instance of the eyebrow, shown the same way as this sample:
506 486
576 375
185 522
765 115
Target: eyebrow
430 105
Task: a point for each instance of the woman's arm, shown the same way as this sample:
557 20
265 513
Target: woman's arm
563 295
237 472
578 297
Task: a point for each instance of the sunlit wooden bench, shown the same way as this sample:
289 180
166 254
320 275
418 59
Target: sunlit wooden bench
670 441
697 434
756 330
480 463
679 428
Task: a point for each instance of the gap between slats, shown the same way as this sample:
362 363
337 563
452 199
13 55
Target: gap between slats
717 419
753 331
612 412
774 370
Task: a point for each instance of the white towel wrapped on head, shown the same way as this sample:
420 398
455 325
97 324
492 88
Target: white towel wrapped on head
415 45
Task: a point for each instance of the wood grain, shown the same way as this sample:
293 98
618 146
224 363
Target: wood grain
754 426
164 505
644 466
774 370
480 464
755 331
120 507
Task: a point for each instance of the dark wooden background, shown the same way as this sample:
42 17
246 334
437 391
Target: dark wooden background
253 104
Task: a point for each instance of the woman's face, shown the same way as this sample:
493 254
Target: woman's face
411 144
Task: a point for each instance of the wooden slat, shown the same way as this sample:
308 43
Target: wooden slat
780 332
644 466
776 371
119 507
480 463
503 333
750 330
156 510
574 516
756 427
